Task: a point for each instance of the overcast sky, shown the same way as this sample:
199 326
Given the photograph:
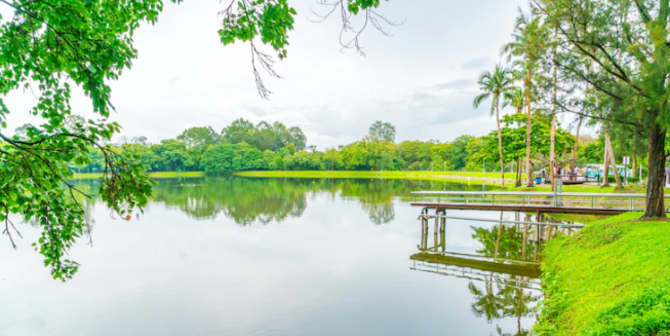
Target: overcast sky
422 79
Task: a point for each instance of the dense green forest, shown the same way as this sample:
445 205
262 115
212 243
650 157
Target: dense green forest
244 146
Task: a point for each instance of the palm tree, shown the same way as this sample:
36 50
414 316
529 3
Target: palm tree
516 98
496 85
529 43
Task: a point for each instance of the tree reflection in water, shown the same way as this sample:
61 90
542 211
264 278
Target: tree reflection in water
265 200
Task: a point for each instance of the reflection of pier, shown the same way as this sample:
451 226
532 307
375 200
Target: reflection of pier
502 275
511 249
469 265
465 271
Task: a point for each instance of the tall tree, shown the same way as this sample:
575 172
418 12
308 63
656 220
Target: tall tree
383 131
627 42
495 85
529 44
199 137
240 130
297 138
554 109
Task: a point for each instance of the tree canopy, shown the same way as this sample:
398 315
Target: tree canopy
626 45
383 131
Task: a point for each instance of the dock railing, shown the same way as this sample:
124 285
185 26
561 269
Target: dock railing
623 201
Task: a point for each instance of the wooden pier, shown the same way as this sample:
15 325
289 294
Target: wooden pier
530 202
519 207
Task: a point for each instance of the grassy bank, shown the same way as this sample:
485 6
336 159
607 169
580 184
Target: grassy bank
409 175
152 175
461 177
612 278
585 188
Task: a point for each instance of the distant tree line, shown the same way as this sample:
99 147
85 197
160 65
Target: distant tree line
244 146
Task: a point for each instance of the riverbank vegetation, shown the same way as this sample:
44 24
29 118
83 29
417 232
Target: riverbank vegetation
611 278
243 146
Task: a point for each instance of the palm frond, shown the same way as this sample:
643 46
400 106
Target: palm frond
480 98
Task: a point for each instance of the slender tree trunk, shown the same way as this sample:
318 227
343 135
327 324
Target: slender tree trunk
655 207
606 166
518 173
553 118
500 151
574 148
633 173
553 142
517 183
529 173
608 147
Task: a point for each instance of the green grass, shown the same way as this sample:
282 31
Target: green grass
611 278
585 188
410 175
475 178
152 175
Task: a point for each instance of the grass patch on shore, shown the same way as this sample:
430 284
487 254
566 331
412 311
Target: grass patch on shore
87 176
425 175
611 278
585 188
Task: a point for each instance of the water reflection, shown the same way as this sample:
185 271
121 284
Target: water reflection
504 269
326 270
249 200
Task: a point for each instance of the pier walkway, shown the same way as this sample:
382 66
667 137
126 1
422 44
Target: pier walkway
536 202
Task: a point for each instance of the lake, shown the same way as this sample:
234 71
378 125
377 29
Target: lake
277 257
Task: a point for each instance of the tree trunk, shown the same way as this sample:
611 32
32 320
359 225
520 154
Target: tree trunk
518 173
529 173
574 148
553 118
608 147
500 151
633 172
553 142
606 167
655 207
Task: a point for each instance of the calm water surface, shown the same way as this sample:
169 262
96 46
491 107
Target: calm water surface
275 257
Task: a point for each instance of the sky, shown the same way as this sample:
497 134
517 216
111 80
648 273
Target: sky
422 79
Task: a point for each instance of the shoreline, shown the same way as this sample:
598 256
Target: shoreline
458 177
471 178
158 175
